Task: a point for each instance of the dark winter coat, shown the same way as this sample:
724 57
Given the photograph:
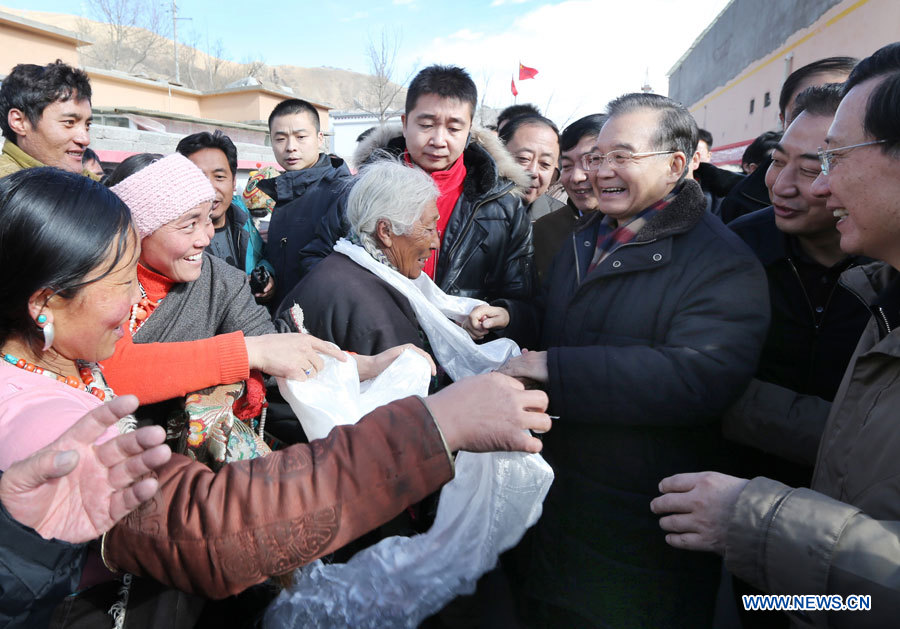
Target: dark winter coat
550 233
246 240
302 198
344 303
748 195
716 183
644 354
806 353
486 251
35 574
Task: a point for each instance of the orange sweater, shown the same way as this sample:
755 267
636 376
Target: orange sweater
161 371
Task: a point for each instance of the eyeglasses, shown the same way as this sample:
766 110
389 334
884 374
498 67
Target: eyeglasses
615 159
827 156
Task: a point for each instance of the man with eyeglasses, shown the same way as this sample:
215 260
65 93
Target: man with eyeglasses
843 535
816 322
654 317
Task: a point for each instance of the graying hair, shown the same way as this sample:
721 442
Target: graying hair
388 190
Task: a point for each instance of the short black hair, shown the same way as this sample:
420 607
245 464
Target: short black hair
677 129
509 129
295 106
129 166
573 134
56 231
885 60
30 88
205 140
758 150
444 81
706 136
798 76
818 100
514 111
881 121
88 155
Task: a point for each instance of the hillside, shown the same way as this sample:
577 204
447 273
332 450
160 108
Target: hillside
142 52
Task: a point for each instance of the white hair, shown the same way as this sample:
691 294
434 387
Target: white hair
391 191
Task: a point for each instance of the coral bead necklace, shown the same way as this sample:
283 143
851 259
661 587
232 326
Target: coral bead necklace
141 310
88 382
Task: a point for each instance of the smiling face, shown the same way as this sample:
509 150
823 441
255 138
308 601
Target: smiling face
175 250
60 135
795 165
409 252
863 184
295 141
214 165
624 191
535 147
436 131
88 325
575 179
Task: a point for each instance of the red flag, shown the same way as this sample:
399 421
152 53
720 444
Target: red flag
512 86
526 73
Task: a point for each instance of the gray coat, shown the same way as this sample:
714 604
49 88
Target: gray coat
218 302
843 535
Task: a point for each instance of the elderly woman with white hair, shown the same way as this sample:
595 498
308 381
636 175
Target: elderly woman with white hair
393 215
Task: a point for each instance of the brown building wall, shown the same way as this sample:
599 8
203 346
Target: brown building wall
854 28
18 44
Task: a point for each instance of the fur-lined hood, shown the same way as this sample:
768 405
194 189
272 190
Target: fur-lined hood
487 160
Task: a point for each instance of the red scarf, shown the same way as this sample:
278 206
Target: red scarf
450 185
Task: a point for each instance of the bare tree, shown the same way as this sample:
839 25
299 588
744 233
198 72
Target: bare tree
485 84
215 58
382 96
187 53
132 30
255 68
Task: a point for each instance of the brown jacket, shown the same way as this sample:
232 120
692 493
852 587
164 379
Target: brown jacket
843 535
216 534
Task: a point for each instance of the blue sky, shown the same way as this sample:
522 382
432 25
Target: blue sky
587 51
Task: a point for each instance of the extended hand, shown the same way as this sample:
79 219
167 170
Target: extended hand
294 356
530 365
701 505
267 292
490 412
74 491
371 366
483 319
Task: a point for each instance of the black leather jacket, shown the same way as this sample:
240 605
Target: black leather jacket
487 251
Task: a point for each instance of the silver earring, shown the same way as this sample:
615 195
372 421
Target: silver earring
48 336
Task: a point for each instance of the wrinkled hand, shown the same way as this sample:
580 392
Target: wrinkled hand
701 505
74 491
530 366
490 412
483 319
372 366
290 355
267 292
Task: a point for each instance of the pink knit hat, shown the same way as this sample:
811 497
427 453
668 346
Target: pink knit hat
163 191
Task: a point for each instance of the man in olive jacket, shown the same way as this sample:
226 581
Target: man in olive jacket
842 536
654 317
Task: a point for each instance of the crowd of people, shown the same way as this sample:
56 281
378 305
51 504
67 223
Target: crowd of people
684 329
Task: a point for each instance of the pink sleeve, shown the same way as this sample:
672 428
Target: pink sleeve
33 418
